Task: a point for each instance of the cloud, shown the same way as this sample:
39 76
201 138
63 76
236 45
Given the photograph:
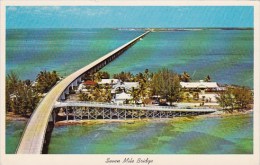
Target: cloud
11 8
84 11
61 10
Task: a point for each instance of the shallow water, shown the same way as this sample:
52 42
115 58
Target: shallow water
225 55
14 131
29 51
227 135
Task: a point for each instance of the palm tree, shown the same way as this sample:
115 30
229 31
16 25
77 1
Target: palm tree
142 92
124 76
46 80
207 79
85 97
108 96
185 77
135 94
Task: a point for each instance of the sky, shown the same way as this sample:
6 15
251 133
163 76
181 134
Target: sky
128 16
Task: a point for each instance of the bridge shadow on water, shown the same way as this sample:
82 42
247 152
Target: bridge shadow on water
47 138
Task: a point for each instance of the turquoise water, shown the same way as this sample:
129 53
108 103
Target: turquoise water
226 55
29 51
14 131
228 135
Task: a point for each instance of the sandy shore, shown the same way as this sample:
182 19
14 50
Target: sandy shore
224 114
10 116
99 121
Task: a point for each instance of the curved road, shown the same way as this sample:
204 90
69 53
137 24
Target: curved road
34 133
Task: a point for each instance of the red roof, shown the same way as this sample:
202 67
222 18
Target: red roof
89 82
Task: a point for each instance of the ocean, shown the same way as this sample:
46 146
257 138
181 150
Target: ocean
220 135
225 55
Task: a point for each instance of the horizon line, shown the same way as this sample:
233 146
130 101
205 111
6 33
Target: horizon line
129 28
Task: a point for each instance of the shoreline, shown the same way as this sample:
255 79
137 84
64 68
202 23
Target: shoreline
220 114
223 114
10 116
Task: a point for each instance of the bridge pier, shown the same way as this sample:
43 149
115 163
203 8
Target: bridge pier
54 116
62 97
75 83
79 79
67 91
67 114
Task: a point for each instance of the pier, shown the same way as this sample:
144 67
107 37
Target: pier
33 137
81 110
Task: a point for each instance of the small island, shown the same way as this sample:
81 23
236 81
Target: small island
146 89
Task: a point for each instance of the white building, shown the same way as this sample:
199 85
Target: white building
125 85
109 81
121 98
200 85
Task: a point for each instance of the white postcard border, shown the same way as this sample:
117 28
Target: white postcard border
158 159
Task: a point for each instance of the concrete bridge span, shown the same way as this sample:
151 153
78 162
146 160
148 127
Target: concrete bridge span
32 140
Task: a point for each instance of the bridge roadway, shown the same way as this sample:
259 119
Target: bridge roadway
34 134
131 107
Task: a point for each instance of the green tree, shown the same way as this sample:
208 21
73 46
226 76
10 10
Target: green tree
21 98
29 100
12 81
46 80
85 97
185 77
243 97
235 98
108 96
166 83
135 95
124 76
226 100
207 79
101 75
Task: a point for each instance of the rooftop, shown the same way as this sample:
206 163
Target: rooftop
123 96
89 82
200 84
108 81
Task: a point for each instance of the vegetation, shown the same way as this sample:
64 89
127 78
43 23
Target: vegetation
101 75
97 94
207 79
46 80
166 84
125 77
235 98
85 97
21 97
96 76
185 77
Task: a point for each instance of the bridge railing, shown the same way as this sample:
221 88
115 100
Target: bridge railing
130 105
